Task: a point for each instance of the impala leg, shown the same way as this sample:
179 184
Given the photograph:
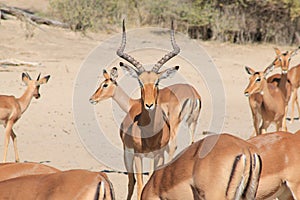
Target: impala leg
297 104
294 97
151 167
8 131
128 159
14 139
192 128
256 123
284 127
139 175
159 160
279 126
172 148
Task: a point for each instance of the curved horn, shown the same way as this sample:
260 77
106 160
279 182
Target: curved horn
120 52
169 55
28 76
38 78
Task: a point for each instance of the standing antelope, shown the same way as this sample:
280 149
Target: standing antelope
294 77
279 152
72 184
282 60
266 101
179 102
218 167
145 131
12 108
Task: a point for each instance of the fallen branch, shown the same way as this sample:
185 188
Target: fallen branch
21 14
14 62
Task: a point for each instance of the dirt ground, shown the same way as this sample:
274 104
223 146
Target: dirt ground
47 130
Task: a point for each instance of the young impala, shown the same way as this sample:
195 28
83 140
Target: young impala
72 184
12 108
179 101
145 131
279 152
266 101
218 167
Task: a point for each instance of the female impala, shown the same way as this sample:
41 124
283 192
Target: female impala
266 101
72 184
294 77
218 167
289 80
12 108
279 152
179 101
13 170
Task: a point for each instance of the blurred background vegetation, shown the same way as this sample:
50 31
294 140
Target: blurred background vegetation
237 21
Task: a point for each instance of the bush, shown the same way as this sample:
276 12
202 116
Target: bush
236 21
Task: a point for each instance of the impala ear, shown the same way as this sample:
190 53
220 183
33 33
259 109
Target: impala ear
168 73
277 51
114 73
129 70
106 75
249 70
25 77
43 80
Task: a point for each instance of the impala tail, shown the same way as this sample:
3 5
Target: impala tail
190 108
244 177
102 193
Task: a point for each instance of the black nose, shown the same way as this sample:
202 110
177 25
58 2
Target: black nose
149 106
37 96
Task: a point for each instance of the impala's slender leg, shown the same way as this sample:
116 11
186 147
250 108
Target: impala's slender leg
256 122
297 104
128 159
172 148
14 139
139 175
284 127
192 127
174 123
151 167
158 161
8 131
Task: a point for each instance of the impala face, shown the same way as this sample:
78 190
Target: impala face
34 84
106 89
283 60
256 82
149 81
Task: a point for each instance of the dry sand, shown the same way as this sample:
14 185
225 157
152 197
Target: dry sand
47 132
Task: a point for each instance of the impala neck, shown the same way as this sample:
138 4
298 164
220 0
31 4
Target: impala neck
123 100
267 97
282 83
25 99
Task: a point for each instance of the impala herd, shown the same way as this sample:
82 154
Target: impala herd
220 166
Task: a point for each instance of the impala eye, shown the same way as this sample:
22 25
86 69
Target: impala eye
258 79
105 85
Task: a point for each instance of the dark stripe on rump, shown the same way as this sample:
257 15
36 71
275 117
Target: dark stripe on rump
237 159
198 194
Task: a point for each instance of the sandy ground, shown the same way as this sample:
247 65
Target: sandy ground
47 130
